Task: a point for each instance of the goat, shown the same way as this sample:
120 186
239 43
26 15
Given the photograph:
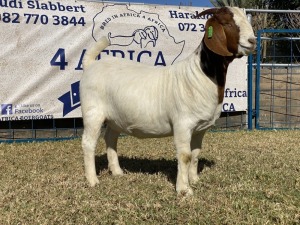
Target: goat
182 100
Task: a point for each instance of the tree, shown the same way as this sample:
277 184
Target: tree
279 4
293 20
261 4
239 3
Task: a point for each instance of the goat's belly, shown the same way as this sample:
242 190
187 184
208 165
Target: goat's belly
142 130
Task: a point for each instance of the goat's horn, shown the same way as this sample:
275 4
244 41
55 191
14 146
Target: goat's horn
208 11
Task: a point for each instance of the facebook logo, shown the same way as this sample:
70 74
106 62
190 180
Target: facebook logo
6 109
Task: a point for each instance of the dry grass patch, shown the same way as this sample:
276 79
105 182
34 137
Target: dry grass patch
245 178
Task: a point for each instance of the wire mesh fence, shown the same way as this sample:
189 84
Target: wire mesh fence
34 130
278 79
61 129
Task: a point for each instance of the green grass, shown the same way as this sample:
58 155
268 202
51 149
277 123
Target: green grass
245 178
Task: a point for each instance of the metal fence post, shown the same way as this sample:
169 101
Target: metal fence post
257 79
250 92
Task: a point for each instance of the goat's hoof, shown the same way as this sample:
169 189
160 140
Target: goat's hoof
185 192
93 181
117 172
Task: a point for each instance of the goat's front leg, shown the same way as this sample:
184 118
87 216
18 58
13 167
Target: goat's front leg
111 139
182 143
196 144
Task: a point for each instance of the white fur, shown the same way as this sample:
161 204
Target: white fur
246 31
145 101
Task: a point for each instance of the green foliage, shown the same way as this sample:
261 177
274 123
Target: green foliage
262 4
239 3
279 4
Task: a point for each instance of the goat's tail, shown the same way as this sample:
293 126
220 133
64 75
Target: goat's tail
91 54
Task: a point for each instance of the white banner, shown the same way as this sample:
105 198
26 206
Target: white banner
43 43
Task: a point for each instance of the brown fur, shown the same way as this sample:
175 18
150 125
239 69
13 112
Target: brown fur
220 49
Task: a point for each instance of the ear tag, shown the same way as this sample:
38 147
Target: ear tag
210 32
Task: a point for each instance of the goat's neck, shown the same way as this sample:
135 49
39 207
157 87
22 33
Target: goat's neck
215 67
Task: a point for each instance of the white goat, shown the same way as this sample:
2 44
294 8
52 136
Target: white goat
183 100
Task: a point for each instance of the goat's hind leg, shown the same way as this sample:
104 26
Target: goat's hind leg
92 128
111 139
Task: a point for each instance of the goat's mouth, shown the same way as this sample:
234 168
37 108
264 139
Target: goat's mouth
248 48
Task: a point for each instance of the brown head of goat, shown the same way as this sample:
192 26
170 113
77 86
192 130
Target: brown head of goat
225 32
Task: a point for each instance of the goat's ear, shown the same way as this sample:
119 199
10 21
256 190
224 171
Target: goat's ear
215 38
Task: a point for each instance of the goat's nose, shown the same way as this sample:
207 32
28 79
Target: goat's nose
252 41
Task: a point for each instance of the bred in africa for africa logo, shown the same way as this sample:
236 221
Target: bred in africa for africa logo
139 36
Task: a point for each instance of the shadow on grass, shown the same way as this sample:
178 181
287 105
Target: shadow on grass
149 166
